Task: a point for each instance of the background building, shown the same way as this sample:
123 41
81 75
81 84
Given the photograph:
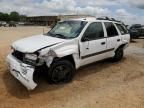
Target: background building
49 20
42 20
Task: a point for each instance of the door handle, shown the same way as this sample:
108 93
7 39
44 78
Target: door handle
118 40
103 43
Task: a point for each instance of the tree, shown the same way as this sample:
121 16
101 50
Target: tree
23 18
1 16
14 16
4 17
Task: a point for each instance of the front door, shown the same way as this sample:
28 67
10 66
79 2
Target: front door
93 44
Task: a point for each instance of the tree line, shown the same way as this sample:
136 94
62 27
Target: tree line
13 16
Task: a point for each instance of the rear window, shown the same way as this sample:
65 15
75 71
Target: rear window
122 29
111 30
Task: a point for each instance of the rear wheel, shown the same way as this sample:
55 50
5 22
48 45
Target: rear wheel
61 71
118 54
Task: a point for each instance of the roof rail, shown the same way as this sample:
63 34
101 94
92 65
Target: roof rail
109 19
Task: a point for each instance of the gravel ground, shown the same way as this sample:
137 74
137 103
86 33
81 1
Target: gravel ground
99 85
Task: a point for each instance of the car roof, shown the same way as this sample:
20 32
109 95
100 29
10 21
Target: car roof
93 19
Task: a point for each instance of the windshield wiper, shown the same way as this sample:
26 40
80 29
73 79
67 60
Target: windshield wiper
57 35
50 34
61 36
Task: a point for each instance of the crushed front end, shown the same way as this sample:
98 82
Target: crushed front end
23 68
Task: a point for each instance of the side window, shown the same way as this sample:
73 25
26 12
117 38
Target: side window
94 31
122 29
111 30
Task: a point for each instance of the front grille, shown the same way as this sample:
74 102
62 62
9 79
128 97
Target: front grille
18 55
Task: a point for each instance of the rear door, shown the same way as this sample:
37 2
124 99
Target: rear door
123 32
113 38
93 44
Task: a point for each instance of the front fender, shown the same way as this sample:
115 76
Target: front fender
61 50
68 50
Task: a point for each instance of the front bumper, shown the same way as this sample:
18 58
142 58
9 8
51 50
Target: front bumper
22 72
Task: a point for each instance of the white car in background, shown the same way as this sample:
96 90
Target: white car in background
66 47
3 23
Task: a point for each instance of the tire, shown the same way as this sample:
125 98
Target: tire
118 55
61 71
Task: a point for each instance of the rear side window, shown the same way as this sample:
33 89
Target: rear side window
94 31
111 30
122 29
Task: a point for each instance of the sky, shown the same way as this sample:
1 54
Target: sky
129 11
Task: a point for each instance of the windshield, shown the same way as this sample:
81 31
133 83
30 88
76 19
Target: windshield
67 29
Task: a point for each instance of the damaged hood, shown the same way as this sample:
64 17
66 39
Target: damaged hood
34 43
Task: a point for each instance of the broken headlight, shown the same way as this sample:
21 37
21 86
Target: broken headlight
31 59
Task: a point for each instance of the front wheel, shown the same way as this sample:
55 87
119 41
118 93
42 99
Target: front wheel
61 71
118 54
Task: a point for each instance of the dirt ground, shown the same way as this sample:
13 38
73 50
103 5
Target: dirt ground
99 85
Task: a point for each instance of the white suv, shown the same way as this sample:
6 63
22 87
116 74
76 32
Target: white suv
67 46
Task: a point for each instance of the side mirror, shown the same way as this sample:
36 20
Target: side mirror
84 39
